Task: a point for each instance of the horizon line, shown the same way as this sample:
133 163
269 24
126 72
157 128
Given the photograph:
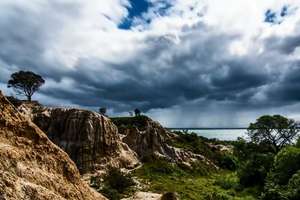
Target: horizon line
209 128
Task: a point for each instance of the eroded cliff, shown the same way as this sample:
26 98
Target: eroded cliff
150 141
91 139
31 166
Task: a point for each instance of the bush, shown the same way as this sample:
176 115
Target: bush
298 142
113 185
228 162
170 196
110 193
255 170
286 163
294 187
284 179
118 180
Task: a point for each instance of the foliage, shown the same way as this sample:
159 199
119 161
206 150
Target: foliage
118 180
243 149
275 130
189 185
298 142
114 184
283 181
254 171
228 181
25 83
139 122
291 191
228 161
286 163
196 144
110 193
102 111
169 196
137 112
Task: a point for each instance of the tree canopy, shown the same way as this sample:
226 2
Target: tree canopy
102 111
25 83
276 130
137 112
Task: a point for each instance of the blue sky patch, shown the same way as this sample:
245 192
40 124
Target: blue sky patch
137 8
276 17
270 16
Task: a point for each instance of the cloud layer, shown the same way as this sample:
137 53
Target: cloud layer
184 62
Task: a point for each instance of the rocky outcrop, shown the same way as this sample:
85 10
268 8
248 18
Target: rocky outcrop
31 166
150 141
91 139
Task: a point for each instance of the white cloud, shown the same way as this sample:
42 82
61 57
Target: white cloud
78 45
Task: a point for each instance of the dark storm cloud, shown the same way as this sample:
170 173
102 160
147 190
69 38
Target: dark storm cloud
162 75
285 45
198 68
287 90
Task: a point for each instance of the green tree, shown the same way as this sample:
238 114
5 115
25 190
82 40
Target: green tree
283 180
275 130
25 83
102 111
137 112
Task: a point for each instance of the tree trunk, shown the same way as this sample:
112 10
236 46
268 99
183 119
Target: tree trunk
29 98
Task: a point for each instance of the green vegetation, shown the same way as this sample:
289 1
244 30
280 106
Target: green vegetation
267 167
270 161
283 181
162 177
25 83
276 131
201 145
114 185
129 122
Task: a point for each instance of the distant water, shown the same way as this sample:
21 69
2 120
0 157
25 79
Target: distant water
221 134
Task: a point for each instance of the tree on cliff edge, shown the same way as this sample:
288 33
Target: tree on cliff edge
137 112
25 83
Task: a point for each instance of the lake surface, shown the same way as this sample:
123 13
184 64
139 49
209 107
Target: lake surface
220 134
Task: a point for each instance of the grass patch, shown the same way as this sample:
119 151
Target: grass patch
190 185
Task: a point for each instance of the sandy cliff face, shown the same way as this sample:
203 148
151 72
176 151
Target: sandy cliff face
150 140
31 166
91 139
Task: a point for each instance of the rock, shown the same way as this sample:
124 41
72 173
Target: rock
31 166
150 141
91 139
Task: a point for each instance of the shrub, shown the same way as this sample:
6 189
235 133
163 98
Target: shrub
284 179
118 180
286 163
298 142
294 187
169 196
113 184
110 193
255 170
228 162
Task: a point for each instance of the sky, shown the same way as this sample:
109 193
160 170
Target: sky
186 63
